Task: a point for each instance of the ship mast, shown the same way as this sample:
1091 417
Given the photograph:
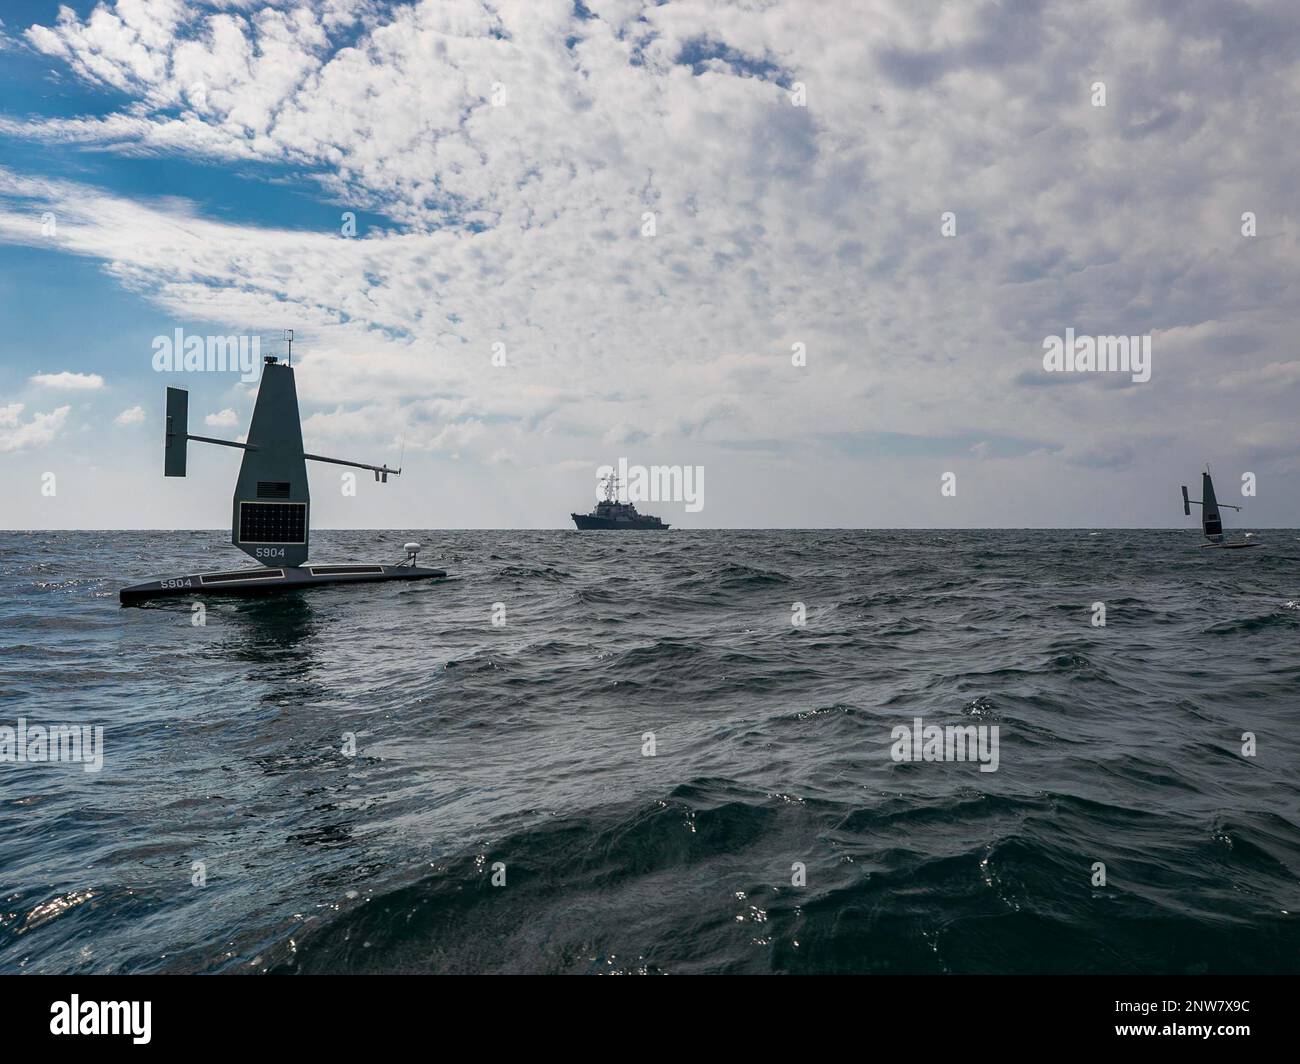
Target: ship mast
611 486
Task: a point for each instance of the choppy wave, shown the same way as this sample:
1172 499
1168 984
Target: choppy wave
651 767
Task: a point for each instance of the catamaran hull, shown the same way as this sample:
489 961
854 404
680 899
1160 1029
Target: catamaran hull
264 580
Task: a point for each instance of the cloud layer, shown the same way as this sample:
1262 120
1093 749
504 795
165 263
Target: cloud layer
518 153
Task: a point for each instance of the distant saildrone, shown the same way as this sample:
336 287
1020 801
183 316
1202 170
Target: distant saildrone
1211 523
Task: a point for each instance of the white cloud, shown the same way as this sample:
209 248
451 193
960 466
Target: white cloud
133 416
38 430
224 419
72 382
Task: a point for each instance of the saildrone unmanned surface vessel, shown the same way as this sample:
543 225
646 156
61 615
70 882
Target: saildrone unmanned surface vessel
1211 523
271 516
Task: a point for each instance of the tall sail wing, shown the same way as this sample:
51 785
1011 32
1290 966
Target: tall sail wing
1211 525
270 518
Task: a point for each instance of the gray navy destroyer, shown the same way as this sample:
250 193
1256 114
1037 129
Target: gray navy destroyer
610 514
270 518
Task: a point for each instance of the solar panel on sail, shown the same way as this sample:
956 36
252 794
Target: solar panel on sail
272 522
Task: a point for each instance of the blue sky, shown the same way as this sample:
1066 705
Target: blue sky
800 163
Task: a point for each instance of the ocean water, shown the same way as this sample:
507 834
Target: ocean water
524 745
